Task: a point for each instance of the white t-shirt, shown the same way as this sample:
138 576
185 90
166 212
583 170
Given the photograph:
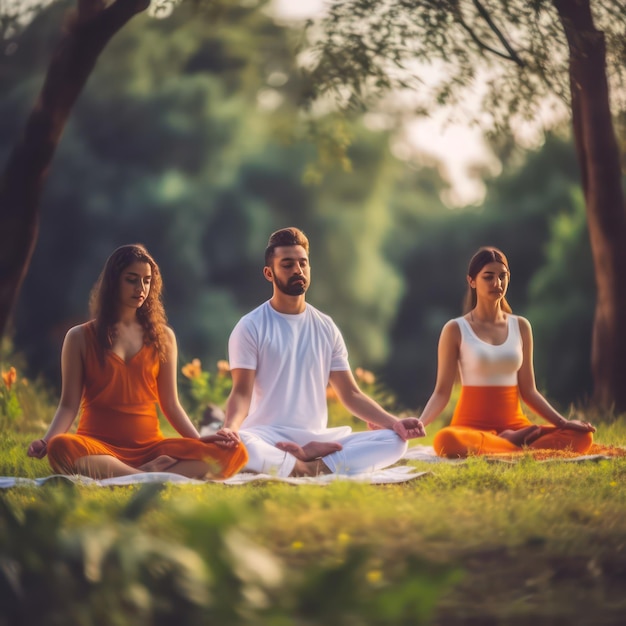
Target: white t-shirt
293 356
483 364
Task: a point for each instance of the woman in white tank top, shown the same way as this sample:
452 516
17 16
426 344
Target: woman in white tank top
492 350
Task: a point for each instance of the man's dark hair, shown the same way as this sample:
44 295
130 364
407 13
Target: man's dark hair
291 236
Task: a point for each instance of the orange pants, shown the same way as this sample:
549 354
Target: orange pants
483 412
64 450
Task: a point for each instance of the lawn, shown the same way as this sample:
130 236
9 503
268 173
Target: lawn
475 543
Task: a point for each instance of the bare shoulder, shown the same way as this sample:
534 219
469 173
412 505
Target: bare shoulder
450 337
170 334
524 324
451 330
77 334
75 341
169 337
525 330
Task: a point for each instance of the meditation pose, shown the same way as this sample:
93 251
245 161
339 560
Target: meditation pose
116 369
282 356
492 349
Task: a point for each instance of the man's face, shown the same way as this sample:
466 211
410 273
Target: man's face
290 270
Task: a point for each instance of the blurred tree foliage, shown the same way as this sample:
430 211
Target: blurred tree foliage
517 60
532 212
561 296
188 139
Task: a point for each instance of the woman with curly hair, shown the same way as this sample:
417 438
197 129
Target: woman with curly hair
116 369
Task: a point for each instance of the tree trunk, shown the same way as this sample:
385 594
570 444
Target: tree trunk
599 158
87 31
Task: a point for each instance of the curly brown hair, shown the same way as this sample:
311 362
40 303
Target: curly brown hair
104 297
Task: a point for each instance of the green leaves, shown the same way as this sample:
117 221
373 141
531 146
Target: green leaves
195 567
365 49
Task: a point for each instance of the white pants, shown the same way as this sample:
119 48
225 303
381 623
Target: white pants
362 452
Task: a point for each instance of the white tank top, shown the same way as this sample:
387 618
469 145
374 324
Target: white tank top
483 364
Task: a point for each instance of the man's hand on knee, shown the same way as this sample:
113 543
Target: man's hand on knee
409 428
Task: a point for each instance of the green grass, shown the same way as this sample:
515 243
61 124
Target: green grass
505 544
468 544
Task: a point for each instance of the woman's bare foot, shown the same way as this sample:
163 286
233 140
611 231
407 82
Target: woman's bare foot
160 464
523 436
309 451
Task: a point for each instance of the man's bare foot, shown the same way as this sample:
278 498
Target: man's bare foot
160 464
309 451
317 467
523 436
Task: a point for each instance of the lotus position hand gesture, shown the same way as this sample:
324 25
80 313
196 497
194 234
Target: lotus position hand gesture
409 428
579 425
38 449
225 437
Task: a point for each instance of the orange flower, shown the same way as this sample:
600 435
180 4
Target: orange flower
9 377
223 367
331 394
365 376
193 369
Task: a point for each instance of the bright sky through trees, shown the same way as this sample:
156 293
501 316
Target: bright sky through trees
459 147
443 137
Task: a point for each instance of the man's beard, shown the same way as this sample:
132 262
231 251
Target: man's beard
293 287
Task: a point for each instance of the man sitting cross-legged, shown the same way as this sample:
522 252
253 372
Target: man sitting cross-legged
282 356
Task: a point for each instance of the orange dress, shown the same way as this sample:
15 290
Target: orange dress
490 402
118 417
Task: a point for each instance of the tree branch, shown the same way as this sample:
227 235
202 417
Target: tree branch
511 55
479 43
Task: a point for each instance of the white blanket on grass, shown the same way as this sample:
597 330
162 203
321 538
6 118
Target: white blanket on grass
389 475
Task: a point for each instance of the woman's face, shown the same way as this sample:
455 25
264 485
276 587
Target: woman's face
135 284
491 282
